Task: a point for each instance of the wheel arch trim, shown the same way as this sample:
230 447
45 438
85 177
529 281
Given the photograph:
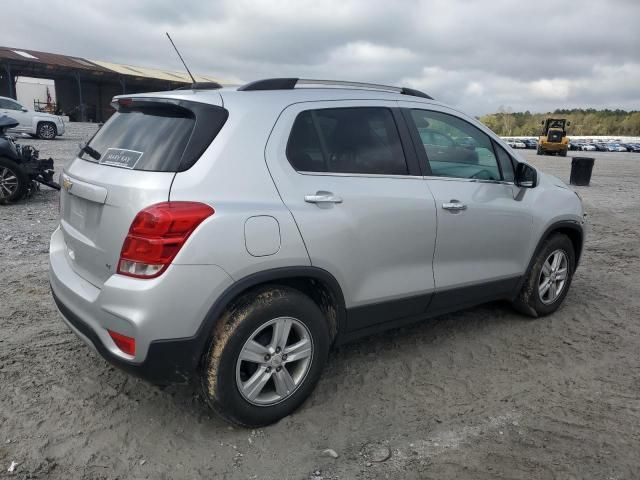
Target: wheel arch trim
263 277
554 227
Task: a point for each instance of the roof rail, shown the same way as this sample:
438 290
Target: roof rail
201 86
291 83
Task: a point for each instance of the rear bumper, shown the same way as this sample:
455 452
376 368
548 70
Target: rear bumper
554 147
164 315
167 361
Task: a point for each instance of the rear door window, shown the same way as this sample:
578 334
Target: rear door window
155 136
361 140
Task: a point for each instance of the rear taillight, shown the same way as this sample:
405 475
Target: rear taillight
156 236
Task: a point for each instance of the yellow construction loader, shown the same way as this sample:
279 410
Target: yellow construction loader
554 137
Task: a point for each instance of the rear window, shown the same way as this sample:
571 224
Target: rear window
156 136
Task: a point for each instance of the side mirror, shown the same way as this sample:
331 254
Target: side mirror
568 124
526 176
24 109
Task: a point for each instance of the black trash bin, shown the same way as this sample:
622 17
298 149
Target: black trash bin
581 168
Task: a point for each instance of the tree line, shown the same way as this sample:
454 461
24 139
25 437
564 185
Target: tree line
583 122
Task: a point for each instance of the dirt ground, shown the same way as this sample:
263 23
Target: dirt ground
481 394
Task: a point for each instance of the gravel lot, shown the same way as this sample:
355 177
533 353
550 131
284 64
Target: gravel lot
480 394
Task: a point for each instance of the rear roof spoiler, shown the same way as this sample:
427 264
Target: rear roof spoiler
291 83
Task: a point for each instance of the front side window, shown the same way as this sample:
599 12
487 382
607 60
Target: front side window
454 147
9 105
361 140
506 164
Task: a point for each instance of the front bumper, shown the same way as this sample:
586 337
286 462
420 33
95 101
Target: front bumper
60 128
164 315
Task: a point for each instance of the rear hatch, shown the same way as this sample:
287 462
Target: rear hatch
128 165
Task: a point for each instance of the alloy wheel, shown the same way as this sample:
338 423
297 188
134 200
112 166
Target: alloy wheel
274 361
8 182
553 277
47 131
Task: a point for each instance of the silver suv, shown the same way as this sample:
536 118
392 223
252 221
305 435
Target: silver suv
233 236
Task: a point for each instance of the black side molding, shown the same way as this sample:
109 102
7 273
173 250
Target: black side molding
415 93
270 84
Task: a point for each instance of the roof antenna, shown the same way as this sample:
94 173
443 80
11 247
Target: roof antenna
182 59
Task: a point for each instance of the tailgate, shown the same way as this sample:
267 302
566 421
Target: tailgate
95 214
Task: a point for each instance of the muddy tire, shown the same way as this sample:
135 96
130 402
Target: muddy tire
563 153
265 356
549 277
14 182
47 131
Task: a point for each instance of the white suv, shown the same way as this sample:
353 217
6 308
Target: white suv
234 235
38 124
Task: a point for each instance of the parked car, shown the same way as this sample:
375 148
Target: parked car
600 146
519 144
587 147
634 147
234 235
37 124
615 147
530 143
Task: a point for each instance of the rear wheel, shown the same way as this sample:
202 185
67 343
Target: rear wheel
563 153
13 181
47 131
539 151
549 277
265 357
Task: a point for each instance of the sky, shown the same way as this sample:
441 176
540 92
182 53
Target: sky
479 56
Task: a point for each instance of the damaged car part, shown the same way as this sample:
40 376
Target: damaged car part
21 169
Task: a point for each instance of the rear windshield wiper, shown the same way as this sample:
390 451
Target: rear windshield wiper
93 153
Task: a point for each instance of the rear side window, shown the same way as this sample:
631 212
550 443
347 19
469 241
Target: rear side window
361 140
156 136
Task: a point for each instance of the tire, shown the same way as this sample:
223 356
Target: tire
255 316
539 151
563 153
530 301
13 181
47 131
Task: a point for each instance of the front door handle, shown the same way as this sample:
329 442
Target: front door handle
454 205
322 197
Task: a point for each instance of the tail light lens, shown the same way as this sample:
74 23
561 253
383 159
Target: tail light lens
156 236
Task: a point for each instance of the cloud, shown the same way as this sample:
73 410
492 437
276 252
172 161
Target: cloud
475 55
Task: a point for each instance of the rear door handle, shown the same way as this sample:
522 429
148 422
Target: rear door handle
454 205
322 197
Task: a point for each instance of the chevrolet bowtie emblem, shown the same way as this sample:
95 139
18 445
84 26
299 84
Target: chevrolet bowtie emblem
67 184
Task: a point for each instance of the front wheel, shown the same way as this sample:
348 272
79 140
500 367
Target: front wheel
47 131
13 181
549 277
265 356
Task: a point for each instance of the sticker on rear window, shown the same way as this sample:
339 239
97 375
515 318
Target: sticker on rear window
121 157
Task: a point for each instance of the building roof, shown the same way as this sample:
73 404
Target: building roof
151 72
20 55
54 61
